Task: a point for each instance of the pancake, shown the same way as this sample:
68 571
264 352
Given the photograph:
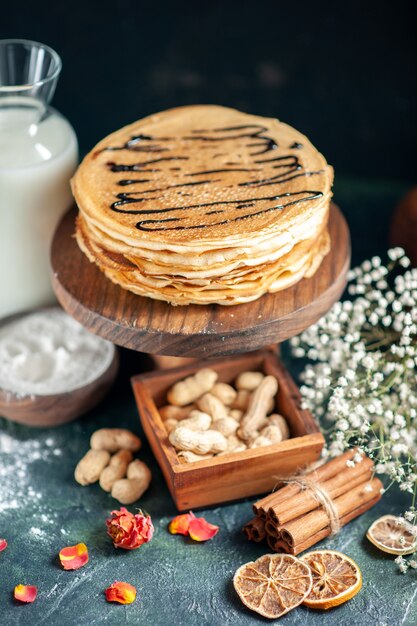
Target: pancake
220 292
204 204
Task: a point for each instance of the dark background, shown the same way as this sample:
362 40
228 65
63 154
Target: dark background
344 73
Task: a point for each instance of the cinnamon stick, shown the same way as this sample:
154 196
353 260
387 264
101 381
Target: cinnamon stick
272 541
322 473
280 545
302 529
255 530
305 501
272 529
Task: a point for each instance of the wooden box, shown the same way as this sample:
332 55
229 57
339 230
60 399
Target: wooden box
240 474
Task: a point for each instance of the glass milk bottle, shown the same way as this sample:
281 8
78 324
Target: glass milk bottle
38 155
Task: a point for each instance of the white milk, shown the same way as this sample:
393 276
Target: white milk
38 155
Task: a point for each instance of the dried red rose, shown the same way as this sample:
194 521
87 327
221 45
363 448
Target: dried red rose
129 531
124 593
25 593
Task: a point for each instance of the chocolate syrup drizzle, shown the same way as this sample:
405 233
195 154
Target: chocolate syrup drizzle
287 166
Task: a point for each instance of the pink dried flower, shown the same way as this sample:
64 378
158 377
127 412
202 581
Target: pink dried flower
129 531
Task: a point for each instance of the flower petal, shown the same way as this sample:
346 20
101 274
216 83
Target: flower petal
180 524
3 545
25 593
124 593
201 530
74 557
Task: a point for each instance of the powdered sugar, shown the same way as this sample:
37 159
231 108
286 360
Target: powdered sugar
17 461
48 352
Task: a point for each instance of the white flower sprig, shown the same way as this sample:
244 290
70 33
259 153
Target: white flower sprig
363 382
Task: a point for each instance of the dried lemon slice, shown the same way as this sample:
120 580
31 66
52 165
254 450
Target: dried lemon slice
273 584
336 578
393 535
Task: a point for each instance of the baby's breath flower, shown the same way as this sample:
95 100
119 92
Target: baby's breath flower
362 381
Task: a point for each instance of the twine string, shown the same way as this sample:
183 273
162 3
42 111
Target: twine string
320 494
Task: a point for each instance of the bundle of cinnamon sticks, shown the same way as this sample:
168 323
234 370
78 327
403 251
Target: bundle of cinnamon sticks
312 506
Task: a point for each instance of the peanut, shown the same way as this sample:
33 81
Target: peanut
170 424
258 405
227 420
271 406
90 466
273 433
138 470
282 424
200 442
116 469
213 406
226 425
237 414
114 439
260 442
233 445
262 423
249 440
249 380
191 388
187 456
241 401
233 442
224 392
240 448
176 412
197 421
128 490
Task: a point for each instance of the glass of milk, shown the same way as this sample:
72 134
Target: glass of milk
38 155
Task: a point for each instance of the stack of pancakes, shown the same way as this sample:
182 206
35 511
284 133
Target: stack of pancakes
204 204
